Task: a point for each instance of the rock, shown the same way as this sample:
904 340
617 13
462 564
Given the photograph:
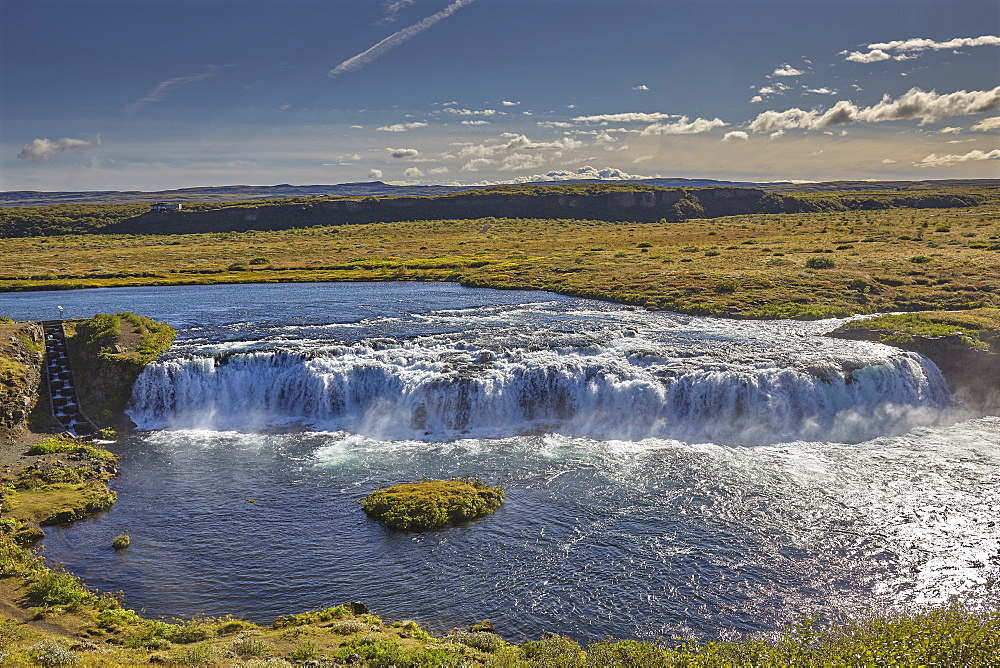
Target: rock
358 608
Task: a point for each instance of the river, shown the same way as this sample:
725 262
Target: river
665 474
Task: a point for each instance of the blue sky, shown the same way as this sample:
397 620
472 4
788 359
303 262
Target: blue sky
155 94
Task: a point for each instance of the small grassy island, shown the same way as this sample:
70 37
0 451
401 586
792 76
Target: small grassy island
432 504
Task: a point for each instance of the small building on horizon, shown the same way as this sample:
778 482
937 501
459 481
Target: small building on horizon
165 206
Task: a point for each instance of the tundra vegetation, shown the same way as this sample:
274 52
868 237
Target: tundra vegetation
432 504
778 265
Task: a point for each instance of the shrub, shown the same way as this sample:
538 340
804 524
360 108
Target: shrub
237 266
122 541
820 263
50 653
432 504
726 286
259 260
921 259
245 644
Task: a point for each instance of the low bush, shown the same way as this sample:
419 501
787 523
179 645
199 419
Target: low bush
820 263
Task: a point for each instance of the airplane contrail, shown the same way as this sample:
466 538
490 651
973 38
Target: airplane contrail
395 39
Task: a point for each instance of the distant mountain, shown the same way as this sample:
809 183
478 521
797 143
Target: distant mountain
378 188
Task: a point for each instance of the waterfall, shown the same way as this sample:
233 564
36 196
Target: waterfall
622 389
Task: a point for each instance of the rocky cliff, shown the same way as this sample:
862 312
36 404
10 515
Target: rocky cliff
20 374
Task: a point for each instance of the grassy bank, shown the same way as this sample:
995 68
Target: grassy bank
803 265
107 353
979 328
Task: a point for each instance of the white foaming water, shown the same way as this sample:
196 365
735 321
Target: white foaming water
626 375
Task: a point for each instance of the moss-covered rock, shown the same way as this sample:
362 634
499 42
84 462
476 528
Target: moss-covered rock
432 504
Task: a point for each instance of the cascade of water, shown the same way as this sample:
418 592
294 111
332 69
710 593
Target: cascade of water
626 388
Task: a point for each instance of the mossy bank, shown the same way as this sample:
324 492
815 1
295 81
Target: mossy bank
107 354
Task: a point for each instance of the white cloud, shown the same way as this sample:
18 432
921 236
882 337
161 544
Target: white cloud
403 153
554 124
929 107
821 91
479 122
583 173
509 103
43 150
870 57
412 173
889 161
438 170
475 164
517 142
987 124
628 117
516 162
357 127
943 160
907 49
950 131
757 98
683 127
395 39
735 135
786 70
471 112
165 87
375 174
401 127
641 87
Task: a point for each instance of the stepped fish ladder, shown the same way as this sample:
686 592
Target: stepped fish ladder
612 375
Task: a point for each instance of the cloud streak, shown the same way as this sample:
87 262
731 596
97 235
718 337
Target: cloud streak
395 39
164 87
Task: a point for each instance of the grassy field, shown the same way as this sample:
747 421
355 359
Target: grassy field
802 265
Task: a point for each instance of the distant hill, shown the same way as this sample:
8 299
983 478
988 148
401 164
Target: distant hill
217 194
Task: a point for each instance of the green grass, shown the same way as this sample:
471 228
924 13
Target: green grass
432 504
979 327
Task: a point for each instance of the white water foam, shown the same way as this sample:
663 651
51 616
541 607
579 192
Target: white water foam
624 381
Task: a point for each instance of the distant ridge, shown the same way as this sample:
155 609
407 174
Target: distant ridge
238 193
